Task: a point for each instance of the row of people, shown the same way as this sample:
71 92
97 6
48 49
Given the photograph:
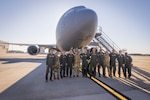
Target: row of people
64 65
61 66
109 61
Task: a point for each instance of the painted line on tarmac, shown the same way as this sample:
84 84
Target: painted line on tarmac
112 91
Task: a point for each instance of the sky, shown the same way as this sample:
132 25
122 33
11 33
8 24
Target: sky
126 22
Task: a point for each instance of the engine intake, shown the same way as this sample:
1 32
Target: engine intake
33 49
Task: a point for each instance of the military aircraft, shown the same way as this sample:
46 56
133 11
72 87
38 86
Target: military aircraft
75 29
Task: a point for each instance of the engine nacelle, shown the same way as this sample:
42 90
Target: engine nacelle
33 49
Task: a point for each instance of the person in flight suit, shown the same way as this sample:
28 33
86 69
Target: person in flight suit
128 65
63 64
101 62
113 57
120 58
50 61
85 57
76 64
93 62
56 67
70 62
107 62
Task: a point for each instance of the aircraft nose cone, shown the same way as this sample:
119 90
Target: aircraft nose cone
76 28
84 18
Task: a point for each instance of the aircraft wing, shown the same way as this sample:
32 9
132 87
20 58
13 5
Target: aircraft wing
34 49
40 45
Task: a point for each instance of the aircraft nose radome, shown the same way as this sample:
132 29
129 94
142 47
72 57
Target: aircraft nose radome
84 17
76 28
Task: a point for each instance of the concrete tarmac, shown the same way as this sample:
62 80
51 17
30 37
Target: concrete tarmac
22 77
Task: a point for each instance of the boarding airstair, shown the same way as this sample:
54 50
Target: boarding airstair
102 40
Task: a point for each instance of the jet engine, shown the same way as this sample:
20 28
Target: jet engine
33 49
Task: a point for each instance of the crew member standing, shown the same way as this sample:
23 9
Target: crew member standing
50 61
63 64
56 68
93 62
120 59
113 57
107 62
128 65
85 57
76 64
70 62
101 62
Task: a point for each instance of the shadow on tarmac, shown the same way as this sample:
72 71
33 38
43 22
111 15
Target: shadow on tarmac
17 60
33 86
